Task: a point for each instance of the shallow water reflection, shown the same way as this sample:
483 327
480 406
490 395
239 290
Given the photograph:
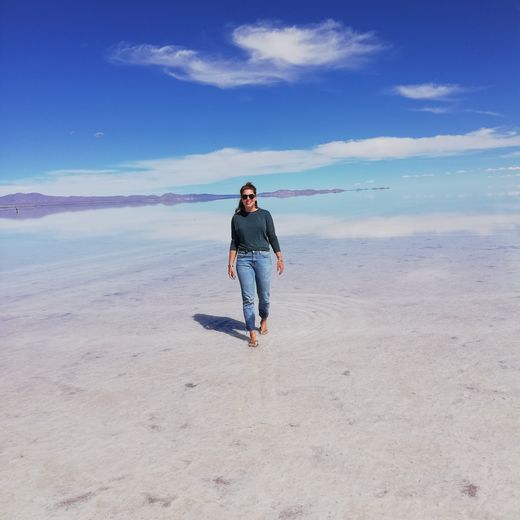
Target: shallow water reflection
348 215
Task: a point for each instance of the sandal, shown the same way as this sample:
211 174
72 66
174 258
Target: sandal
263 332
253 344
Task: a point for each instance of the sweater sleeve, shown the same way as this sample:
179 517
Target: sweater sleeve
234 241
271 233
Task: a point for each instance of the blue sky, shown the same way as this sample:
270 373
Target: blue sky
148 97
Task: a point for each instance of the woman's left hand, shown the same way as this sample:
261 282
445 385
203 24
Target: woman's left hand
279 266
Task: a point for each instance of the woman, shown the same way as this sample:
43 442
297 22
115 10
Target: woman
252 231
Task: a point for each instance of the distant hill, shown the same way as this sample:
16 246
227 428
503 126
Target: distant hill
38 199
37 205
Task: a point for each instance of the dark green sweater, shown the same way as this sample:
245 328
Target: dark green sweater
253 231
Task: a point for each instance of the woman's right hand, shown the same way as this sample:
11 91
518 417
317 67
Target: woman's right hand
231 272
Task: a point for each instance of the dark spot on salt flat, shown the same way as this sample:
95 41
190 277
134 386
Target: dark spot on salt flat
294 425
154 427
291 512
221 481
118 479
346 373
470 490
164 502
512 364
92 355
382 493
70 389
166 349
72 501
137 355
184 426
191 385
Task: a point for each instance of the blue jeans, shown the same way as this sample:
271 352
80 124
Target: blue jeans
254 267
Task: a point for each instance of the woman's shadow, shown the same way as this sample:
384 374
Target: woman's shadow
223 324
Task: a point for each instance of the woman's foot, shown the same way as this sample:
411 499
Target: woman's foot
263 327
253 342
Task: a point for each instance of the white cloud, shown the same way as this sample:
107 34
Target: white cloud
273 54
99 135
428 91
159 175
325 44
403 147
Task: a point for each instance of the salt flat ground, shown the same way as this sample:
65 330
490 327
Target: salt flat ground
387 388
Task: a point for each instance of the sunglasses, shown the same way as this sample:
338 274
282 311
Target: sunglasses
250 196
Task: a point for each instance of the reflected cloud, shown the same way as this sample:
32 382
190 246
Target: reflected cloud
160 223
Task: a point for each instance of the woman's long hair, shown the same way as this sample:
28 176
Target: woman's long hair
246 186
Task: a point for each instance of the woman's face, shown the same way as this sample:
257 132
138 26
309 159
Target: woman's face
249 203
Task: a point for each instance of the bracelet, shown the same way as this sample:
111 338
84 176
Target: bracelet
230 265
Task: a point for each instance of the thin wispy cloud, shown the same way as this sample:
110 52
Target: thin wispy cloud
424 91
159 175
441 93
512 154
99 135
483 112
268 54
504 169
418 176
452 110
432 110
